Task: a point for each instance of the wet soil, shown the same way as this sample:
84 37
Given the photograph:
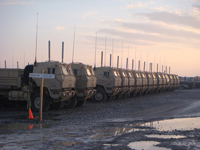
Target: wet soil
161 121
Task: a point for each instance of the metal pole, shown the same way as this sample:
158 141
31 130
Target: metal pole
5 63
126 63
144 66
117 61
139 65
41 95
157 67
17 65
49 45
132 63
62 51
110 59
101 58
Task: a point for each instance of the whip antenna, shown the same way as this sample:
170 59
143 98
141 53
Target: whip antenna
73 43
95 51
36 41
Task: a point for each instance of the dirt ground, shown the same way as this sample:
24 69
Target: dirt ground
161 121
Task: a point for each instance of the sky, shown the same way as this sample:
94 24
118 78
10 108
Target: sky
163 32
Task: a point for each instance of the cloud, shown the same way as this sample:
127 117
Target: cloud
160 30
159 8
138 5
90 13
196 6
142 36
59 28
171 18
16 2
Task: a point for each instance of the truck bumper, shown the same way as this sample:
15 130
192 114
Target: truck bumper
67 95
89 93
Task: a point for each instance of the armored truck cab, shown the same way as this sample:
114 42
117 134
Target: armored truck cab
150 82
177 81
167 81
85 83
164 82
131 81
56 91
155 82
144 83
124 84
138 82
172 82
159 82
108 83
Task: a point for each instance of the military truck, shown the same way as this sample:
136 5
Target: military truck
124 84
159 82
85 83
108 83
15 85
131 82
155 83
138 83
150 82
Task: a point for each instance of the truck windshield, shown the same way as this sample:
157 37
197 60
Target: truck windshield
138 75
64 70
144 76
92 71
115 73
88 72
123 73
149 75
130 74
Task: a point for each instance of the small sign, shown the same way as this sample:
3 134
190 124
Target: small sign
40 75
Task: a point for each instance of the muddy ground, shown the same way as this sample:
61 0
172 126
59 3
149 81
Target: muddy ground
161 121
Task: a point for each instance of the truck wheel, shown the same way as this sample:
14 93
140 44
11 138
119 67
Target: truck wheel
71 103
100 96
57 105
35 102
80 103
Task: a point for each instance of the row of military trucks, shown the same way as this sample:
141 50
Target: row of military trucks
74 83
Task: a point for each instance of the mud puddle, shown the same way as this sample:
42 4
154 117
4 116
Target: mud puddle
18 126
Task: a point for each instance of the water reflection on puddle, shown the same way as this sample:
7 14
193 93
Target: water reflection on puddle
145 145
175 124
68 143
12 127
165 136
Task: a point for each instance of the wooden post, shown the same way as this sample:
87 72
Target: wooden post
41 95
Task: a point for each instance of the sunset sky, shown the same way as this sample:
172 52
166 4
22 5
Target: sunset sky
166 32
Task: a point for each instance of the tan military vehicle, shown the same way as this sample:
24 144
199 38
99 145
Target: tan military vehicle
164 82
56 91
138 83
108 83
150 82
124 84
85 83
167 82
159 82
144 83
131 83
155 82
172 82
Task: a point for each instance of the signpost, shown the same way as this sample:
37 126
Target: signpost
42 76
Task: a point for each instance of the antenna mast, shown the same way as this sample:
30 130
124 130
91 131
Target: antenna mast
36 40
95 51
112 52
122 55
105 54
73 44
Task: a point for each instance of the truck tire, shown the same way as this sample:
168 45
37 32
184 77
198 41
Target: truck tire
99 96
35 102
71 103
80 103
57 105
